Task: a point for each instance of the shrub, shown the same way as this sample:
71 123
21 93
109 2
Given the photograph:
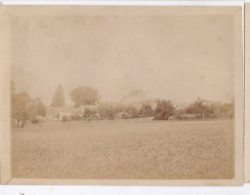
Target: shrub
125 115
65 118
107 111
180 114
110 115
146 111
76 117
89 113
200 108
163 110
35 121
97 116
132 112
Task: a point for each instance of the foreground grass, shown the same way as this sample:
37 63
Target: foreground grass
133 149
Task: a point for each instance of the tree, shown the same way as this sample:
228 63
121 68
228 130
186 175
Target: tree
84 96
36 108
228 109
132 112
107 111
19 107
164 110
23 108
58 99
215 109
199 107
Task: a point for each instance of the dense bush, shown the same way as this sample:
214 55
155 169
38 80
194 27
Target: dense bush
227 110
24 108
180 114
35 121
89 113
163 110
203 108
132 112
107 111
65 118
200 107
76 116
125 115
146 111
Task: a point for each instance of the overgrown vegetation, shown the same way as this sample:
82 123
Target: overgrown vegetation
25 109
86 99
164 110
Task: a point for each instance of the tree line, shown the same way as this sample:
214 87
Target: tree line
25 109
164 110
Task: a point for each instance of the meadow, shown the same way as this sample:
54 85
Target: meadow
125 149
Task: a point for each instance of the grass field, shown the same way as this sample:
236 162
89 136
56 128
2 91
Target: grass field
125 149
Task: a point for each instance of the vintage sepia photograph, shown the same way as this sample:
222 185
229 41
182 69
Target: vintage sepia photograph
126 93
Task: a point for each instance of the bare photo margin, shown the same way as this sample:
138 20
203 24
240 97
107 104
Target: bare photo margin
5 115
247 94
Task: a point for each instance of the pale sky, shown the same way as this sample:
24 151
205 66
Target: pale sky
173 57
